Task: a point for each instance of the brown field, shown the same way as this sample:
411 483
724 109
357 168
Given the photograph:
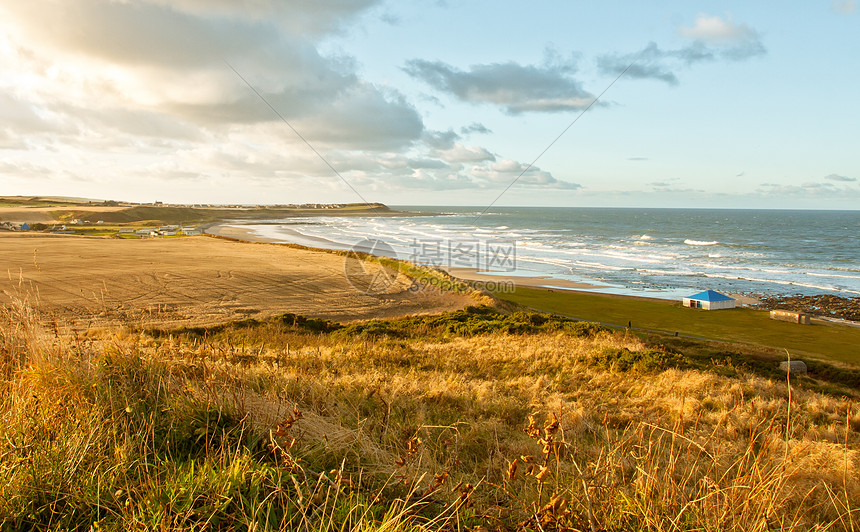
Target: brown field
192 281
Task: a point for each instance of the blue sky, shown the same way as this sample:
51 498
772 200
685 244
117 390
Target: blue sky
741 104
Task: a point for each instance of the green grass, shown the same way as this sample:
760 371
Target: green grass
96 230
829 341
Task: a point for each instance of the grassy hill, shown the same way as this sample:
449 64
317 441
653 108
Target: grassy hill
40 201
180 215
472 420
67 209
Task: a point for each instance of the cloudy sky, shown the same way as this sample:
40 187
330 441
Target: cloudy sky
677 103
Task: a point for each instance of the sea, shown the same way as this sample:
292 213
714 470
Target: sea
661 253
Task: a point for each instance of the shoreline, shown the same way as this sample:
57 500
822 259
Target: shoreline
550 284
541 282
236 231
532 281
223 276
555 288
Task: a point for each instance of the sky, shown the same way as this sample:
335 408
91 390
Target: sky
732 104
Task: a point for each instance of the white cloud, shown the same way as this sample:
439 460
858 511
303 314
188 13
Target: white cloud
475 127
809 190
461 153
441 140
131 91
844 7
837 177
299 17
713 38
717 30
513 87
139 90
507 171
132 58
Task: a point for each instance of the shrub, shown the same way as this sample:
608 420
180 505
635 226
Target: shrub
624 359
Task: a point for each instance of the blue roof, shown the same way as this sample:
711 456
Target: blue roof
710 295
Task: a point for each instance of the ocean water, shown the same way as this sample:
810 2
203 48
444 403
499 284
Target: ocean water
648 252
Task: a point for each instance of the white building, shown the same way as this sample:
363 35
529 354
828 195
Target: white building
709 300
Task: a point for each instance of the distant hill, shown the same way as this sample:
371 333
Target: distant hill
45 201
176 215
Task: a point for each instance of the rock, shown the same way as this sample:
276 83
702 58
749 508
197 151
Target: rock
796 366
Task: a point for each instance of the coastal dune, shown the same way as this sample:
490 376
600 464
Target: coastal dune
193 281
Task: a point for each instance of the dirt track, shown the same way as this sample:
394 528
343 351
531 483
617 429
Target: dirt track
191 281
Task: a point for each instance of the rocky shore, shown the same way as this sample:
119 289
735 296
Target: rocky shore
846 308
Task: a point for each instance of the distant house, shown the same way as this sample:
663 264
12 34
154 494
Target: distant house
709 300
126 230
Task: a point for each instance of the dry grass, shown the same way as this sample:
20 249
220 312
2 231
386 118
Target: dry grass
276 427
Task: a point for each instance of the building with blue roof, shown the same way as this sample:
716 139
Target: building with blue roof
709 300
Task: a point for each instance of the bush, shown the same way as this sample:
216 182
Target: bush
308 324
472 321
645 361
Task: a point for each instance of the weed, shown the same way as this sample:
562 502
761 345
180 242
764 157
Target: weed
470 420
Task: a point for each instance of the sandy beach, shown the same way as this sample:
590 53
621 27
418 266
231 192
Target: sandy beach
248 235
538 281
466 274
238 233
493 279
192 281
